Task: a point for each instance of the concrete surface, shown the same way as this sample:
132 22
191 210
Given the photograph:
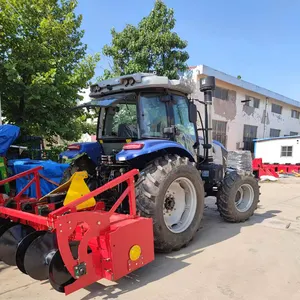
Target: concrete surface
259 259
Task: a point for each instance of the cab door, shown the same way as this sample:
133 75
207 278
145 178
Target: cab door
185 130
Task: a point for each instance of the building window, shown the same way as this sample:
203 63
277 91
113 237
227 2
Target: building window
274 132
221 93
276 108
250 133
219 131
286 151
254 102
293 133
295 114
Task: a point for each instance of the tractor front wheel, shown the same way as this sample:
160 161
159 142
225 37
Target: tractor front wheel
238 197
170 191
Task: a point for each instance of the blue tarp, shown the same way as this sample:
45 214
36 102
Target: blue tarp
52 170
8 134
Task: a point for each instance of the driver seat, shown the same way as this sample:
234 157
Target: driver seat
127 131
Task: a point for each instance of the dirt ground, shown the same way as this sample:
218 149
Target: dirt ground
259 259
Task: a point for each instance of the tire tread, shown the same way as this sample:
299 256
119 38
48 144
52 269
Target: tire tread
154 176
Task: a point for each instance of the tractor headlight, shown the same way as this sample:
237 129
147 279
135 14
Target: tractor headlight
126 82
95 88
131 81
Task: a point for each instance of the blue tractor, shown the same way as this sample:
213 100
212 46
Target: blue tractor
148 122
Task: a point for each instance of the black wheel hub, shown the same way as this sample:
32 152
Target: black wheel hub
169 202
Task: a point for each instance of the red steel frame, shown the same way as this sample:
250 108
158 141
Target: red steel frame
35 179
71 207
262 169
95 229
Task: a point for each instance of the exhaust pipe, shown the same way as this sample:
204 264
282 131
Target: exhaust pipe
207 86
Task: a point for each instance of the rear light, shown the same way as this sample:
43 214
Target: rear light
74 147
133 146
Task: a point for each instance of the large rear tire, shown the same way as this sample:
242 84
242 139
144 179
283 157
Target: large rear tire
170 191
238 197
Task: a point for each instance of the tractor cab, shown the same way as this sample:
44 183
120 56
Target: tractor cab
143 111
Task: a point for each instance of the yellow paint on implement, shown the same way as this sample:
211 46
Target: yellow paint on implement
135 252
75 188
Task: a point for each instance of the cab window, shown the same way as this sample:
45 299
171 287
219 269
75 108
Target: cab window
153 116
181 117
120 121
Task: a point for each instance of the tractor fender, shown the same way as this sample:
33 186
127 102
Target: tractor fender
92 149
154 146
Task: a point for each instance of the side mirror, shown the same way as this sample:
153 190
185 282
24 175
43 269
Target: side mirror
192 113
170 130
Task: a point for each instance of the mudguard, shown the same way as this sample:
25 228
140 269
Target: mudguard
74 151
151 146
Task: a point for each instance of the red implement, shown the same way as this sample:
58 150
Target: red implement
266 169
107 244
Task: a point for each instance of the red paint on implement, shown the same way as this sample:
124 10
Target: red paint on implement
105 237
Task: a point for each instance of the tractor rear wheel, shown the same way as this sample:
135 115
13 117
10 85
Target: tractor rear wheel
170 191
238 197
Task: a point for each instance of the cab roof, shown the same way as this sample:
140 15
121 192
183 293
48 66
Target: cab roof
138 81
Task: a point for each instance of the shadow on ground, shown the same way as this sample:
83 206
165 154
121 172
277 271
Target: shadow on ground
213 230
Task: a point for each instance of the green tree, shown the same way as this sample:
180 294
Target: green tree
150 46
43 66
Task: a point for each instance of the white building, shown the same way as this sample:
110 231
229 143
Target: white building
281 150
236 122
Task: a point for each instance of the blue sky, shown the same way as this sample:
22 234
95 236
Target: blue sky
257 39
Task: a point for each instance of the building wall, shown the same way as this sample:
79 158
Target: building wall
236 114
270 151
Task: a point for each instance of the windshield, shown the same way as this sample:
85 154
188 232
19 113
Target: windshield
119 121
153 116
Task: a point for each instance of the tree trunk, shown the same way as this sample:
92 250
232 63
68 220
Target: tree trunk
21 110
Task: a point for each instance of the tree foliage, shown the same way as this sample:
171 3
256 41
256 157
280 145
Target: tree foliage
150 46
43 66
